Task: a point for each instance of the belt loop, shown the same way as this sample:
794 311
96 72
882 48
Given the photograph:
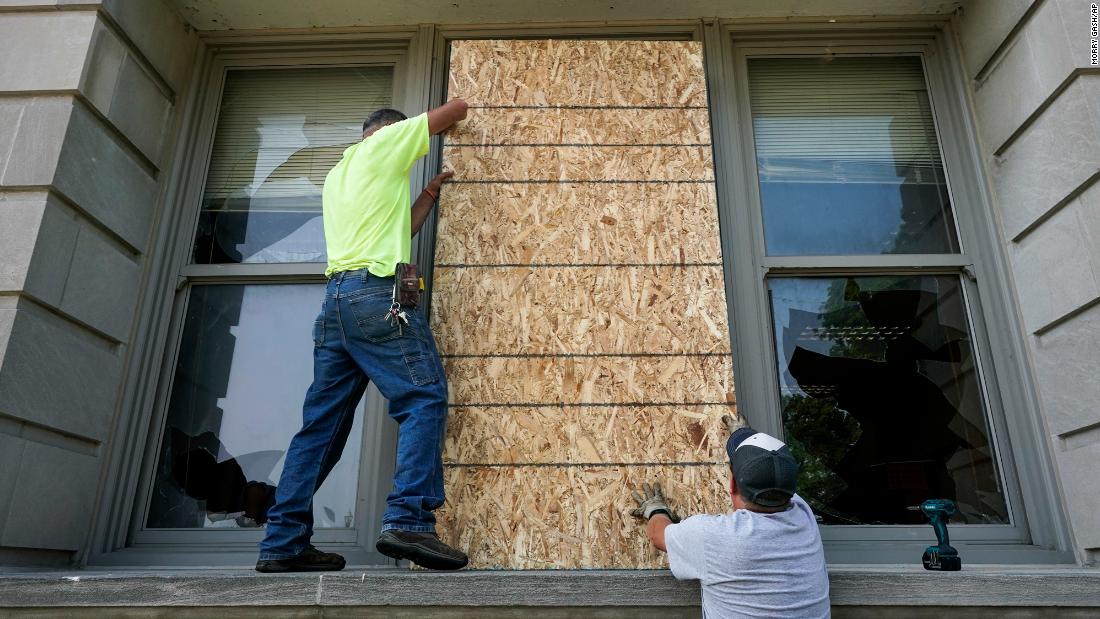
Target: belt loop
363 274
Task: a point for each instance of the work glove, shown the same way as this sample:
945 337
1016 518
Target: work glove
731 424
653 502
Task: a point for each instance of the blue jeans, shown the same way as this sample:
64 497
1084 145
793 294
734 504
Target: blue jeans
353 344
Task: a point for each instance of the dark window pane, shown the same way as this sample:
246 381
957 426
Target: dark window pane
848 158
881 398
244 366
279 133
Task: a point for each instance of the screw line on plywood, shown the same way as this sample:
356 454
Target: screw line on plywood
522 355
572 182
588 107
567 265
580 404
571 144
490 465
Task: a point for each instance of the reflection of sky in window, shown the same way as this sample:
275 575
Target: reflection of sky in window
832 184
271 370
803 294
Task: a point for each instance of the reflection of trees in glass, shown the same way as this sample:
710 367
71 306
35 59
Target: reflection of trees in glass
843 321
819 435
872 420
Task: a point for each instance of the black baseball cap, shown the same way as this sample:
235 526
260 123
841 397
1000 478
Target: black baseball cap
765 470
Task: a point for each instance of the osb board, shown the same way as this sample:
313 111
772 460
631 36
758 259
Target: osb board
617 310
578 299
590 380
583 126
580 163
583 223
564 516
570 72
586 434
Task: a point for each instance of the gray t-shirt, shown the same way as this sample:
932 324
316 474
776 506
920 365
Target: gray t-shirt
752 564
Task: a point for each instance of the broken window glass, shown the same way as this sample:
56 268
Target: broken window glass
279 133
245 362
881 397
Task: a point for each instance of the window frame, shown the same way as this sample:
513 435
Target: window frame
1036 533
804 266
215 546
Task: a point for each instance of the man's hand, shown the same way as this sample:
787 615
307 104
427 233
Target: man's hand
652 503
441 118
437 182
426 200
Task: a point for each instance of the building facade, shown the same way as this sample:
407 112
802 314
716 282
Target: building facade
161 256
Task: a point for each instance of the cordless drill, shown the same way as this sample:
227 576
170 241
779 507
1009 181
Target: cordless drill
942 557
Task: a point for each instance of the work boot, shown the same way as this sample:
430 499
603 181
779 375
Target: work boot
310 560
423 549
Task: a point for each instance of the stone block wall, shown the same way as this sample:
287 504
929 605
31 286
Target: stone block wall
1036 99
89 95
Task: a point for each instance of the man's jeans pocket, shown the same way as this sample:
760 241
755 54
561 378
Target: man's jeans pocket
370 309
319 331
421 363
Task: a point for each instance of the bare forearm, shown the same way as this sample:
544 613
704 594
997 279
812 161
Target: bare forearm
420 209
441 118
655 530
427 199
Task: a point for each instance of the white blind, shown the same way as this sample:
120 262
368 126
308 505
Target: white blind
281 130
843 120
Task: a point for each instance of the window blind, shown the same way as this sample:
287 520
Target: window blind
280 131
843 120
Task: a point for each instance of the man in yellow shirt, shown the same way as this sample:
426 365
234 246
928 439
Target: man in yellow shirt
369 226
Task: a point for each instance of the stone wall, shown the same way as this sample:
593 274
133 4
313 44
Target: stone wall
89 95
1037 104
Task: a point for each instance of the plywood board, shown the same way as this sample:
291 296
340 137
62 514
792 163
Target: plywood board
567 517
586 434
578 298
573 73
580 163
584 223
583 126
603 309
590 380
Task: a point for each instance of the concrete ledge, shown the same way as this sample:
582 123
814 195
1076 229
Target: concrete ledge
881 586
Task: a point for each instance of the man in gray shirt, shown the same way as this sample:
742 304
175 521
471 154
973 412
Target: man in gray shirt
764 558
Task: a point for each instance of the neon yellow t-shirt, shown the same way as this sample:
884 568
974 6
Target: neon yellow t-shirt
365 201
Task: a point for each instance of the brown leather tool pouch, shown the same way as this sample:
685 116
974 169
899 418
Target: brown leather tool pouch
407 283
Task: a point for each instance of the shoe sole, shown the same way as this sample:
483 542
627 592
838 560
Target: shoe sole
419 556
280 569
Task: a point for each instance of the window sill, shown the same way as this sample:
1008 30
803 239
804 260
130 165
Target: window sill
897 586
